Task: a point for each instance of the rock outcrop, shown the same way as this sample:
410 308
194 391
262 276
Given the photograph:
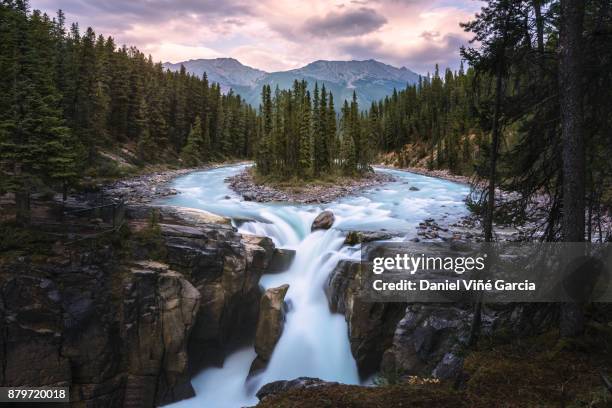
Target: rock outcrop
371 324
325 220
99 316
358 237
269 325
159 311
428 341
225 267
281 260
279 387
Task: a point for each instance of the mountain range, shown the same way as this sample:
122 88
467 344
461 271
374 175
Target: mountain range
370 79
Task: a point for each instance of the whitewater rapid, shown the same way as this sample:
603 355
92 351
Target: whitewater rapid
314 342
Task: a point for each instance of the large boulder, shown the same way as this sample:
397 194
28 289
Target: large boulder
324 221
269 325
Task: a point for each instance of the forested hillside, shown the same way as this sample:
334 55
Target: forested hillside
433 123
68 98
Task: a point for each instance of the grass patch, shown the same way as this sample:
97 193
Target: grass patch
542 371
351 396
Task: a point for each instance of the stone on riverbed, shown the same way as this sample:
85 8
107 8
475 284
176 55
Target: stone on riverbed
325 220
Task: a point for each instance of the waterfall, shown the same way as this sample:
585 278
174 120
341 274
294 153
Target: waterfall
314 342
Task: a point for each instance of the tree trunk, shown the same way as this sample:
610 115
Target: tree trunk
488 227
537 6
573 155
490 209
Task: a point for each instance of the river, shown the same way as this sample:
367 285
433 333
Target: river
314 342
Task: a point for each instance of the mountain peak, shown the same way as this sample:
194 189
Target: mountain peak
370 79
228 72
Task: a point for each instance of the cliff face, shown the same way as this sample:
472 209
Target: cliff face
424 339
120 329
371 325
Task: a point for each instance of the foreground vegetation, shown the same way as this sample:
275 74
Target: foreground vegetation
540 371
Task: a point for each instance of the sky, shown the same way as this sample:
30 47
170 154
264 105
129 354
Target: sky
276 35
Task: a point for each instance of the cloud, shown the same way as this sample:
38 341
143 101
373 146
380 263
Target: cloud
281 34
347 23
430 35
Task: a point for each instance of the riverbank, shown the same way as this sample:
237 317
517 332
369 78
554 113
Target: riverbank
145 188
250 189
441 174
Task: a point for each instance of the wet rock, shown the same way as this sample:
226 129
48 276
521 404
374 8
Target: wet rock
325 220
413 188
281 260
269 325
357 237
279 387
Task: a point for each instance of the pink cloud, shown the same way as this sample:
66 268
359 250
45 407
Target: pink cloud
281 34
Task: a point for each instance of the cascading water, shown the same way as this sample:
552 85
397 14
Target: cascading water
314 342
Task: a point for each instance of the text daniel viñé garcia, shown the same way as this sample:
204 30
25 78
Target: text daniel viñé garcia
412 264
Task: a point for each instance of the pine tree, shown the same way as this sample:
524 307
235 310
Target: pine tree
192 152
348 156
33 129
331 133
305 168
